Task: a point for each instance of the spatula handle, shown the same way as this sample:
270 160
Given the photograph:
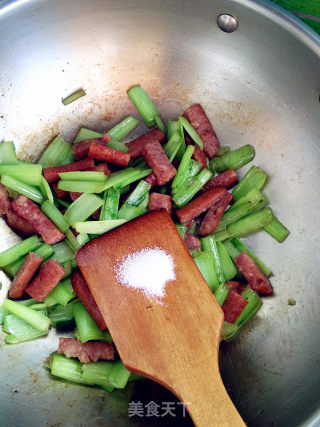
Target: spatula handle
206 399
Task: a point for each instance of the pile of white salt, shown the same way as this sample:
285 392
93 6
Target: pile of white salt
148 270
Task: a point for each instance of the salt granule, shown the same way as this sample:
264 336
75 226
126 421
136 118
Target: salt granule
148 270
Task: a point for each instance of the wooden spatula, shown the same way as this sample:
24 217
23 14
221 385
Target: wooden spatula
173 339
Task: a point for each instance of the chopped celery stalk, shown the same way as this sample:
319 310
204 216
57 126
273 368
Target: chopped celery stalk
193 228
61 315
231 248
160 124
206 263
73 97
276 229
86 326
98 373
7 153
3 313
126 176
221 293
106 337
53 213
124 190
228 269
86 134
82 208
222 151
50 301
24 334
173 127
72 241
221 236
12 254
234 159
122 129
229 331
68 268
33 317
251 308
62 252
83 238
22 188
250 223
191 131
39 307
209 243
144 105
138 194
27 173
90 176
58 152
183 169
176 126
82 186
233 215
194 253
240 246
62 203
129 212
62 293
190 187
117 145
44 250
194 168
63 367
119 375
28 302
255 178
172 146
254 196
98 227
46 190
110 205
182 229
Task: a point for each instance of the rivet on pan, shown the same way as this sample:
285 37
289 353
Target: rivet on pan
227 23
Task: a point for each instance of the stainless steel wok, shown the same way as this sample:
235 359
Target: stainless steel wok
259 84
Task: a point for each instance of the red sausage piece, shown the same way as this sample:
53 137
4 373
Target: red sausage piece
136 146
199 205
74 195
236 286
47 279
225 179
151 179
52 174
254 276
86 352
4 200
233 306
159 162
19 224
214 214
81 288
107 154
159 201
29 211
81 149
103 167
192 242
200 122
199 156
25 274
61 194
